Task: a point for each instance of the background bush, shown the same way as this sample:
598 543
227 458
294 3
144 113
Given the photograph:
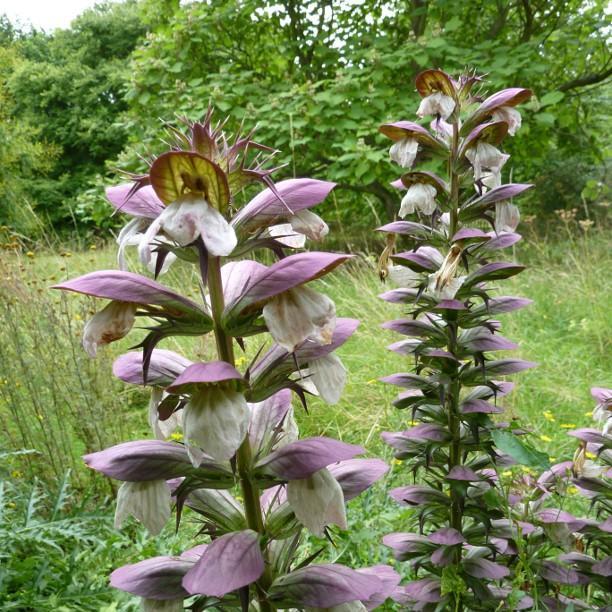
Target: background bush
317 77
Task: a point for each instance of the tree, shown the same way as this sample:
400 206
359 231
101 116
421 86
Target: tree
70 85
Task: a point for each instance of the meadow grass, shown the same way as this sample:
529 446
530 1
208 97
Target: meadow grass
54 399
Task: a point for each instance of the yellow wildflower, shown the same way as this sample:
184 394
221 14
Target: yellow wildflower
545 438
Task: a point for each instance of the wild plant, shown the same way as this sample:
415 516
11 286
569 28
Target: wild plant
466 539
49 545
240 466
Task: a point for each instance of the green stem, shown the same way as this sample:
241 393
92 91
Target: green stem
244 456
454 422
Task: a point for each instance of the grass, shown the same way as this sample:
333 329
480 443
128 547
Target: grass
53 399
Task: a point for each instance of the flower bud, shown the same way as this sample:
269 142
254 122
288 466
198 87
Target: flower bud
111 323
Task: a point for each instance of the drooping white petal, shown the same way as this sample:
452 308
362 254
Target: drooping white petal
507 217
145 247
443 129
421 196
190 217
130 235
591 469
489 180
216 419
329 377
404 151
148 502
308 223
111 323
162 429
298 314
510 115
285 234
317 501
486 156
436 104
403 276
162 605
147 252
446 290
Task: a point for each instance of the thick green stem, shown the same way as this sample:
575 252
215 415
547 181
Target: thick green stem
225 350
454 387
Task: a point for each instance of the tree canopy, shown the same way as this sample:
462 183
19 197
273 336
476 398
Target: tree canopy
316 77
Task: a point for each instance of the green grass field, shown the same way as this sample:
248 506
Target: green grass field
59 402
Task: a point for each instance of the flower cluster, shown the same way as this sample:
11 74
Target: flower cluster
578 555
457 220
241 468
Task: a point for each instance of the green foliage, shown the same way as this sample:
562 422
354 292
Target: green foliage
522 452
564 330
23 155
327 73
69 85
331 74
53 552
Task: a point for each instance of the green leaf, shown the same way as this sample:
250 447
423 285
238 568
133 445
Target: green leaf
552 97
545 118
520 451
453 24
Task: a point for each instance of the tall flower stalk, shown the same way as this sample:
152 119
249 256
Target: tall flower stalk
457 220
239 433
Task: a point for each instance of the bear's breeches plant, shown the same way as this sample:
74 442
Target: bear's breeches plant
476 540
224 440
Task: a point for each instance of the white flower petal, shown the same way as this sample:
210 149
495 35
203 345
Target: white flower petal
329 377
507 217
218 235
190 217
436 104
162 429
510 115
285 234
111 323
486 156
148 502
421 196
299 314
448 290
145 247
308 223
130 235
404 151
216 419
317 501
403 276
